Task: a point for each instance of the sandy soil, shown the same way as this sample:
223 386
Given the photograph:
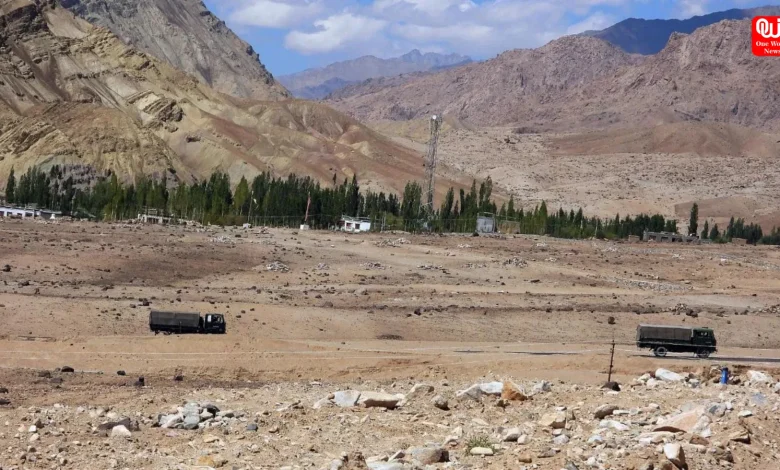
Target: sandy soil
368 312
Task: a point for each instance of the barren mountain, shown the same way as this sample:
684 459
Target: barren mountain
637 35
74 94
320 82
491 92
188 36
583 82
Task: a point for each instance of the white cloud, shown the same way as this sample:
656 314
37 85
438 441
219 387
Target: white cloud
275 13
427 6
596 21
690 8
456 32
334 32
480 28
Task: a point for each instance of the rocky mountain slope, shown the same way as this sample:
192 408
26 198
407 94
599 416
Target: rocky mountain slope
319 82
491 92
583 82
188 36
642 36
74 94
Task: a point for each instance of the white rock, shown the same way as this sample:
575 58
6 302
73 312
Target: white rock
481 451
604 410
757 377
674 452
379 400
745 414
612 424
595 440
553 420
541 387
346 398
420 390
668 376
120 432
512 435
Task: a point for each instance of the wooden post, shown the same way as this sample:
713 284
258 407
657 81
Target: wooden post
611 360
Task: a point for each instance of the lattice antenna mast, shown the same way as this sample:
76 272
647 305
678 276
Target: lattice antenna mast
426 202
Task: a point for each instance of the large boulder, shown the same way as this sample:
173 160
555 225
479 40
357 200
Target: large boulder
757 377
379 400
512 392
477 391
681 422
346 398
668 376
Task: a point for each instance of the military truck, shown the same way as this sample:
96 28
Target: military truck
186 323
665 339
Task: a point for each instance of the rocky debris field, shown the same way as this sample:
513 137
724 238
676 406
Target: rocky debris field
660 420
378 351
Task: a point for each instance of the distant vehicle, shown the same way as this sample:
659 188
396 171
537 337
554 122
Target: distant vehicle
665 339
186 323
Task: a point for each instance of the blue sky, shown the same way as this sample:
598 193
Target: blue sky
292 35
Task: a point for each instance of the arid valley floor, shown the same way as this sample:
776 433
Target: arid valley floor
314 313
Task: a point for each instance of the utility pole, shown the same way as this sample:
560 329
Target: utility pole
428 190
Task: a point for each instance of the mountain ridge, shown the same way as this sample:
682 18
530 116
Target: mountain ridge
649 36
317 83
74 94
581 82
186 34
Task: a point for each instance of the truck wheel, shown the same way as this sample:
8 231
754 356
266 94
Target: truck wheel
660 351
703 353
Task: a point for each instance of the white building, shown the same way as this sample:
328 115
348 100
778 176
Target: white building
24 213
354 224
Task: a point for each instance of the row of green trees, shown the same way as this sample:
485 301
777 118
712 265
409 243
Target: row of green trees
735 229
276 201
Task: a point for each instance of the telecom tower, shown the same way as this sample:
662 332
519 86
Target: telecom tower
426 202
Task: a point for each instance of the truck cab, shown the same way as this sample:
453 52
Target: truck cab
213 323
703 337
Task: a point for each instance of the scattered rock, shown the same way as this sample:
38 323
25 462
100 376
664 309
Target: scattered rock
512 435
427 455
674 452
484 451
541 387
379 400
555 420
604 410
741 435
612 424
121 432
420 390
614 386
440 402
